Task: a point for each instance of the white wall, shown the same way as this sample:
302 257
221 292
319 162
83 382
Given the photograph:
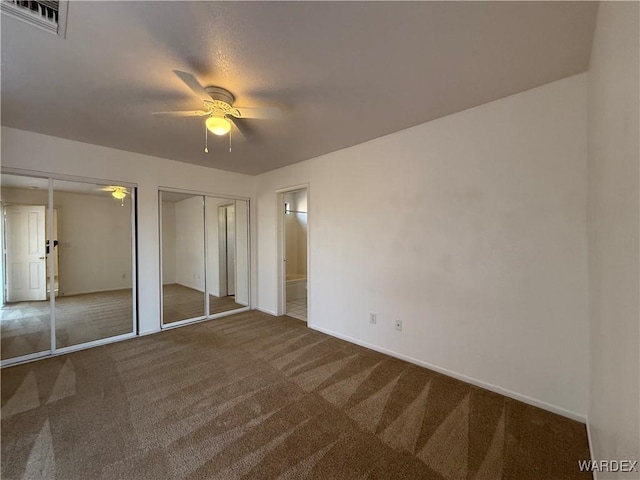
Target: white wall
190 242
36 152
94 234
613 221
471 229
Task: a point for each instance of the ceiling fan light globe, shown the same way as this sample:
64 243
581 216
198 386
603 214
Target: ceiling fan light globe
119 193
218 125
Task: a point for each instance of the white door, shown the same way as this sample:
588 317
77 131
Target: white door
231 250
26 259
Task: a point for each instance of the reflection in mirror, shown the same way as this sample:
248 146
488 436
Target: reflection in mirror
25 312
222 231
94 262
242 252
227 254
183 278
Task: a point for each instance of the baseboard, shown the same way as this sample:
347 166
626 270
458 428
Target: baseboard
478 383
189 287
589 439
103 290
264 310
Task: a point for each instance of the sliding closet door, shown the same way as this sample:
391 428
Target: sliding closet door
25 313
205 256
223 248
183 257
93 267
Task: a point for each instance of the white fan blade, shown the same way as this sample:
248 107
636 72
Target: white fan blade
270 113
237 133
193 84
185 113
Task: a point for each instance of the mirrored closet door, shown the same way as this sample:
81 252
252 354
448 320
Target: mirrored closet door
94 274
205 256
25 314
68 267
182 257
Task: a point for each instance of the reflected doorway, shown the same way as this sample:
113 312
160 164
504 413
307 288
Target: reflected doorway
27 253
295 232
25 247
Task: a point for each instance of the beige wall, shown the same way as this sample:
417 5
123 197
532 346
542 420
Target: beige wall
613 232
189 252
471 229
94 234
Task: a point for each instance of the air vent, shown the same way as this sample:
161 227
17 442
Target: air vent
49 15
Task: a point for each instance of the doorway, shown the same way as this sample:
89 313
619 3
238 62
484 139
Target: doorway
294 248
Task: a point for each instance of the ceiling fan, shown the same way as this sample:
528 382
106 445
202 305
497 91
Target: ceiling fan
219 108
118 192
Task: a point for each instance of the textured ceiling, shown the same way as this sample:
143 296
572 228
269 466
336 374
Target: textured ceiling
342 72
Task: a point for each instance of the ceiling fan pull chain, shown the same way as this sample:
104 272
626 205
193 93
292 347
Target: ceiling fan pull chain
229 141
206 138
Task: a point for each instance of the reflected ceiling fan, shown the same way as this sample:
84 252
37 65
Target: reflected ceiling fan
219 108
118 192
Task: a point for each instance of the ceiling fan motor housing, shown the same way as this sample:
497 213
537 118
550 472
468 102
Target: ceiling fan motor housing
218 93
221 103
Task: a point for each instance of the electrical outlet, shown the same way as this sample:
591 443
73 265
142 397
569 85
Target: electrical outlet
399 325
373 318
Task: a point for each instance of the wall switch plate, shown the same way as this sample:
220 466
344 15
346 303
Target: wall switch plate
373 318
399 325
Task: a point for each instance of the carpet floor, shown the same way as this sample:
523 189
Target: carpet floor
252 396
